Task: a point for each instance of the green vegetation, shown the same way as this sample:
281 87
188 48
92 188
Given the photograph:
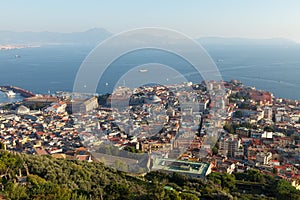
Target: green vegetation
239 96
232 127
43 177
215 149
254 185
269 128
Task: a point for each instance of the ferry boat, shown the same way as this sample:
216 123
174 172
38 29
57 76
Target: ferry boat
10 93
143 70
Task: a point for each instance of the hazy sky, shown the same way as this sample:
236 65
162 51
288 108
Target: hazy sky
227 18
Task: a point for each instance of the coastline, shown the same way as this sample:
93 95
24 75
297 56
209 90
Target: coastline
11 47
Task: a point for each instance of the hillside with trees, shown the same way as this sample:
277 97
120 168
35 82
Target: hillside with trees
43 177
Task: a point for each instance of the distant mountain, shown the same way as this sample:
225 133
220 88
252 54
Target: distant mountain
92 36
244 41
96 35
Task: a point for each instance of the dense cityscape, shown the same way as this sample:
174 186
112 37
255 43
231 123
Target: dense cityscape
149 100
190 129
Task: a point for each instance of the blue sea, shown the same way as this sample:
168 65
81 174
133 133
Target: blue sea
53 68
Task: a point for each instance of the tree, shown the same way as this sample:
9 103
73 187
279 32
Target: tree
2 145
70 179
188 196
269 129
286 191
117 191
215 150
226 181
171 195
238 114
15 191
228 127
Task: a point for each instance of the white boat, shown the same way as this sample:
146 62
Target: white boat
143 70
10 93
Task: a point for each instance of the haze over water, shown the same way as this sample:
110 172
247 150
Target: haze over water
272 68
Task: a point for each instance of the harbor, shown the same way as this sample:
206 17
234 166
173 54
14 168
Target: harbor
10 94
12 91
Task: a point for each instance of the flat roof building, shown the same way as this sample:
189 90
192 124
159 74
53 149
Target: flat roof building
192 169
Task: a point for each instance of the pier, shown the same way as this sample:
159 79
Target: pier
22 92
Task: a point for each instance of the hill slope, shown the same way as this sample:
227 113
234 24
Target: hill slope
43 177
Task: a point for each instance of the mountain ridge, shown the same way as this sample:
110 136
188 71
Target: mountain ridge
96 35
90 36
245 41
